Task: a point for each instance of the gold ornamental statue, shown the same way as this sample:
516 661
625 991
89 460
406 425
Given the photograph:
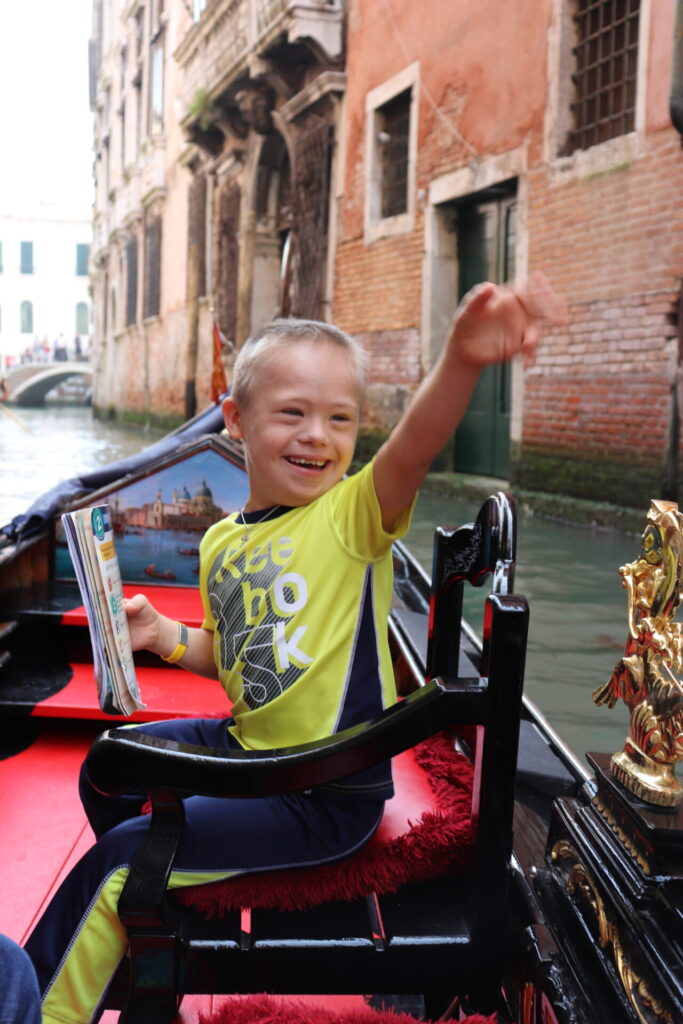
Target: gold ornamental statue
647 678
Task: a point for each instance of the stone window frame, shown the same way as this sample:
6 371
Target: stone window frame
376 226
603 156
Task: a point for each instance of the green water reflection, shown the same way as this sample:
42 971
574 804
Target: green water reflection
570 577
41 447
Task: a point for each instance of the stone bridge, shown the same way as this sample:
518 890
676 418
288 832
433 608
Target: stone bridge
29 384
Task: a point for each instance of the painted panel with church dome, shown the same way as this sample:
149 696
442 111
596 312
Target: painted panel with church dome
160 518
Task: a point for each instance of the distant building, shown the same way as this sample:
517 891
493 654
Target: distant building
217 138
191 513
44 285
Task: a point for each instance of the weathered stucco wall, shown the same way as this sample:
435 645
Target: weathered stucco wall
596 416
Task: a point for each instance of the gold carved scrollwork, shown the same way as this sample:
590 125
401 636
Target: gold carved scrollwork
646 1006
647 678
622 836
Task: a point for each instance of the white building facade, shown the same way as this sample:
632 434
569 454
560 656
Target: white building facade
44 285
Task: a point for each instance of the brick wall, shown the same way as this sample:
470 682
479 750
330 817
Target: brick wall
598 407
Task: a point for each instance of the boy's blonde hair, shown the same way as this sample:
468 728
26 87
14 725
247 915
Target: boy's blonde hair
252 356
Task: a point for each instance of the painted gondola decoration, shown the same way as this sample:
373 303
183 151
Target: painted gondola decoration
165 516
648 677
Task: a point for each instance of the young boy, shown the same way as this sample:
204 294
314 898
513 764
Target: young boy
296 588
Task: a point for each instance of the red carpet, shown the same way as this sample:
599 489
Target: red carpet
264 1009
436 842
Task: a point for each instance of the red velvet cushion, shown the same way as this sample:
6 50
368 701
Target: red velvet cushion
265 1009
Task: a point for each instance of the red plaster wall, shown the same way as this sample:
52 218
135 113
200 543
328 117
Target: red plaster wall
486 75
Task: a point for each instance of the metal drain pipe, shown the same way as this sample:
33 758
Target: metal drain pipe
676 94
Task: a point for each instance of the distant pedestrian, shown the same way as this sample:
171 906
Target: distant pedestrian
60 353
78 350
45 357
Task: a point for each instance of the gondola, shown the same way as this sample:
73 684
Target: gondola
527 883
160 574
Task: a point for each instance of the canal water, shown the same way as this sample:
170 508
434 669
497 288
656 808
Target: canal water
569 574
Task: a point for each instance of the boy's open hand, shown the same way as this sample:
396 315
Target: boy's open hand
494 323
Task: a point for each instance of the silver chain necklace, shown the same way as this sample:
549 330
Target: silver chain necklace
246 525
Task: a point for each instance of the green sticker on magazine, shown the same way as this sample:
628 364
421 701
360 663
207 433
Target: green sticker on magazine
98 523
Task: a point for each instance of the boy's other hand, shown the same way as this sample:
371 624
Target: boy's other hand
495 323
143 622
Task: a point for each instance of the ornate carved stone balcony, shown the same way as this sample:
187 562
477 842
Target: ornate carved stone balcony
236 40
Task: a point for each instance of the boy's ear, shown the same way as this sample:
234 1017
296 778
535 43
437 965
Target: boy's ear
231 418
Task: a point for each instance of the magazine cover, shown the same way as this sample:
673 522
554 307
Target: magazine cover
90 538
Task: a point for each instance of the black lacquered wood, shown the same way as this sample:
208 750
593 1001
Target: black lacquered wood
143 894
506 626
469 554
122 760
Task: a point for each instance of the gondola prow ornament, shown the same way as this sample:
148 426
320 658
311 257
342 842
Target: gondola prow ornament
647 678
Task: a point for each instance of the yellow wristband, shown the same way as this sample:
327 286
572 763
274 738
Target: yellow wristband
180 648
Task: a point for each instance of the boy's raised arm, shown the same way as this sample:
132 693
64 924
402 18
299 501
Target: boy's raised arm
492 324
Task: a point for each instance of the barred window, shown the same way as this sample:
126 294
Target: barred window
393 124
131 281
605 76
391 113
152 295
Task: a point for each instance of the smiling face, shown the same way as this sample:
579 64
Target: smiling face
299 424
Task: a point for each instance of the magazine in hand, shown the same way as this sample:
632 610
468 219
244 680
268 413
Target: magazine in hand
90 538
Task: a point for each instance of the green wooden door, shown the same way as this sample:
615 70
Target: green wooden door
486 239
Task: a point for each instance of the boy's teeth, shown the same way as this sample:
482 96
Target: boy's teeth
318 463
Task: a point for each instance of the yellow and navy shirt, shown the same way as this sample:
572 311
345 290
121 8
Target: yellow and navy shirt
298 603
